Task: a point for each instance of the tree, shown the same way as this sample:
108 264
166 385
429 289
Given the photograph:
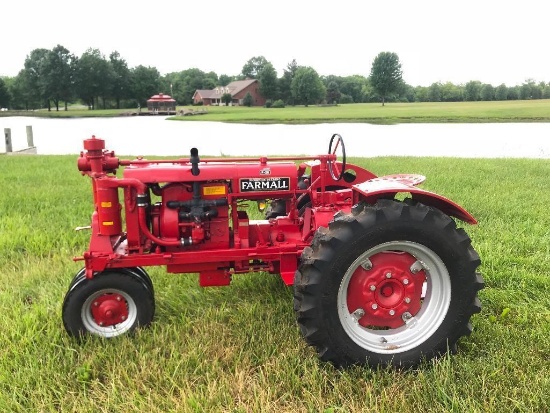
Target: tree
248 100
92 77
472 91
353 86
227 98
307 87
4 94
145 83
487 92
333 93
268 81
451 93
386 75
24 96
224 80
285 82
501 92
58 76
434 92
35 65
253 67
120 86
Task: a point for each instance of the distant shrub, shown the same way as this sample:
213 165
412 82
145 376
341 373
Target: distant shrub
278 104
267 104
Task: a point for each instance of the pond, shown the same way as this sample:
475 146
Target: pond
154 135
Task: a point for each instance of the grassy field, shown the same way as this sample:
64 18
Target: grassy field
502 111
238 348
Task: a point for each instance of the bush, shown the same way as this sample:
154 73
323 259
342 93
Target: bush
248 100
267 104
278 104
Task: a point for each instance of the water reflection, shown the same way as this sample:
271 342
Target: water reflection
157 136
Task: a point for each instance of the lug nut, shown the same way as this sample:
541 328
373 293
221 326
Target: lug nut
96 303
118 298
374 306
373 287
392 312
405 281
388 275
407 300
123 318
367 264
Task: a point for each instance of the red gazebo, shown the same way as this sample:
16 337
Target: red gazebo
161 104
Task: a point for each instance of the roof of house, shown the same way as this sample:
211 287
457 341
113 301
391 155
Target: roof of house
233 88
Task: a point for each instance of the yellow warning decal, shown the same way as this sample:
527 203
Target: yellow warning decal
106 205
213 190
108 223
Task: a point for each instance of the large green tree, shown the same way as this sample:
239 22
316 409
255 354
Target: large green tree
58 75
93 77
386 75
145 83
120 85
472 91
5 97
253 67
307 86
285 82
268 81
35 73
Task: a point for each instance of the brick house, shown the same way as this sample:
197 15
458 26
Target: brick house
238 90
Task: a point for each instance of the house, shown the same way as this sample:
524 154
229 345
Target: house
161 104
238 90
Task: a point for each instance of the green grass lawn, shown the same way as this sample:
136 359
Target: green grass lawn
501 111
238 348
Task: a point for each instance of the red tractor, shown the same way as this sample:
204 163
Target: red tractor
377 280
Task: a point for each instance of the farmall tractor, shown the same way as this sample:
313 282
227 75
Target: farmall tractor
381 273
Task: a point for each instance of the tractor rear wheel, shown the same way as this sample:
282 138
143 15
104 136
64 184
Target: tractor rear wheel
393 283
112 303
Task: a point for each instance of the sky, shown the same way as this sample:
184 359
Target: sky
436 41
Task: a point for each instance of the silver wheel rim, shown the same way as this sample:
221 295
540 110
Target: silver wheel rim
419 328
108 331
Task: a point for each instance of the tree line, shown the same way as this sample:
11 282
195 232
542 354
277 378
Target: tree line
51 78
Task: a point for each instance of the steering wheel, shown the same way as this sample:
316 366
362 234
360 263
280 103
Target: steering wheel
335 172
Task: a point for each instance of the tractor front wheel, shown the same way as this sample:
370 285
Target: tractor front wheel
389 284
110 304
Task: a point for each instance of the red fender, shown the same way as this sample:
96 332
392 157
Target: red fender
375 188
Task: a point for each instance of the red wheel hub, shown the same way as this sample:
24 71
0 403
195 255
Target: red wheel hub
386 289
109 309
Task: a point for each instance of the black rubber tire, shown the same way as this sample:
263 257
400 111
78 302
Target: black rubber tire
137 294
141 273
332 257
137 271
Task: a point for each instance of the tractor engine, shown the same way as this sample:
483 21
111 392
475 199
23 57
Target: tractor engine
196 213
